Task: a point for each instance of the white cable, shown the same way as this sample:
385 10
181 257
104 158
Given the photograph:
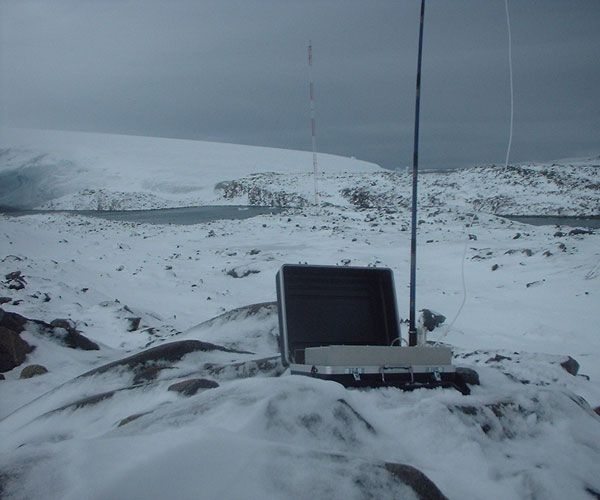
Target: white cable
510 70
510 134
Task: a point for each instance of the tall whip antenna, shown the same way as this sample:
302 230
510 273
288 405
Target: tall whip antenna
312 122
412 330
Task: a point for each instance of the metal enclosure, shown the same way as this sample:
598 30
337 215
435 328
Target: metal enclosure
341 324
331 305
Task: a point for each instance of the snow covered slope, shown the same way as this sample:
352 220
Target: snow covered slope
186 397
75 170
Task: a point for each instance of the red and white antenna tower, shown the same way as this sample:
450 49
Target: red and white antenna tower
312 121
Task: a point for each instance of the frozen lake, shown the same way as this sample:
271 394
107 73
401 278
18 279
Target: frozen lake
179 216
587 222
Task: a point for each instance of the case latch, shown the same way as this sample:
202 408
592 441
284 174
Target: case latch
355 372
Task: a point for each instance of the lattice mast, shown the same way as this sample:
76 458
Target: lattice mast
313 130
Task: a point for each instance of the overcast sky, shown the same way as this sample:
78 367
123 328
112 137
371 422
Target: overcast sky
236 71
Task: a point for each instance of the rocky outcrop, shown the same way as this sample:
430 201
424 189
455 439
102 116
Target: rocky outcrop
158 356
13 349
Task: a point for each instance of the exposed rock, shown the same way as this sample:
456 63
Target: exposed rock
67 324
597 410
4 300
570 365
87 401
270 367
12 321
131 418
360 418
495 267
133 324
527 252
467 375
64 329
497 358
424 488
517 236
61 329
2 378
33 371
172 351
236 273
15 275
148 373
15 280
192 386
594 493
431 320
241 313
577 231
13 349
534 283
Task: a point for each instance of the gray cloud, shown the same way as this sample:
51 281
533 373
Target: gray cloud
236 71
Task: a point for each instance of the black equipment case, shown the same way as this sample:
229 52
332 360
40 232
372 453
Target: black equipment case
341 324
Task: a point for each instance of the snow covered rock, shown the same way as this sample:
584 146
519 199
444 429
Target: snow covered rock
65 330
192 386
157 357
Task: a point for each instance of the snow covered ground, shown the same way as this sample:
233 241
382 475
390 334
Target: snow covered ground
69 170
532 299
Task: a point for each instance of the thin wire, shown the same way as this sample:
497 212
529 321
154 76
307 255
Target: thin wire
510 70
510 134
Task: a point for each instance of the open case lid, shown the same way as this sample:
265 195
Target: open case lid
331 305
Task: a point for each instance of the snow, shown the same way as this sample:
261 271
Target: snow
89 171
528 431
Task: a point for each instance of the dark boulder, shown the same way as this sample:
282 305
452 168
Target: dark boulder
467 375
13 349
133 324
431 320
15 280
33 371
12 321
192 386
570 365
